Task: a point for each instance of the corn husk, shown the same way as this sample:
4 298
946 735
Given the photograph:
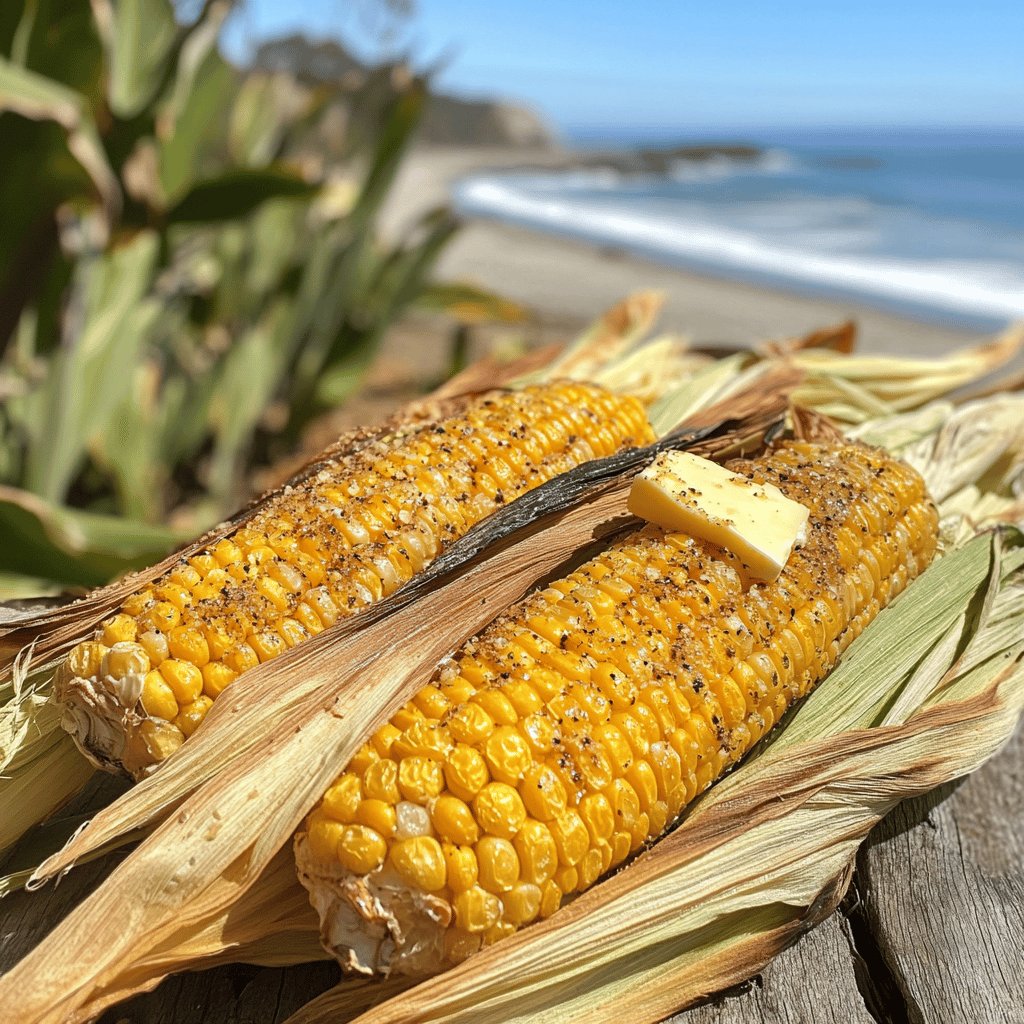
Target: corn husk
268 785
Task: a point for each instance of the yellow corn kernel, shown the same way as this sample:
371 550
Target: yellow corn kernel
497 705
470 724
360 849
154 644
380 781
420 862
459 945
538 855
499 930
499 810
341 801
466 772
378 815
124 659
571 837
161 738
597 815
191 715
362 759
476 910
543 793
550 899
454 821
461 866
85 660
267 645
507 755
158 698
383 740
497 863
184 679
216 678
522 903
420 779
188 644
118 629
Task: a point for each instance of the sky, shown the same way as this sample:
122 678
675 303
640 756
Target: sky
651 67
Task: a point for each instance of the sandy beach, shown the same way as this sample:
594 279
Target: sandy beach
569 282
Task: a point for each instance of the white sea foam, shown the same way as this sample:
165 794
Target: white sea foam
815 247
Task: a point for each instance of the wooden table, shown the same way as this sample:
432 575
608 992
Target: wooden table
931 932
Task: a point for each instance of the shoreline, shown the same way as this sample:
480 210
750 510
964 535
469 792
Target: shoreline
574 280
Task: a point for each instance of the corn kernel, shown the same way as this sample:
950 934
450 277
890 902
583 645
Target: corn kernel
86 658
420 779
597 815
497 706
476 910
551 898
507 754
571 837
360 849
342 800
460 863
155 645
118 629
216 678
497 863
522 903
188 644
380 781
499 810
125 658
420 862
191 715
454 821
378 815
158 698
185 680
538 855
471 724
466 772
543 793
459 945
160 738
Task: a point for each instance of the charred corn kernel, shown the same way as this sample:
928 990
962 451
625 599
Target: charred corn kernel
454 821
85 660
158 698
361 525
466 772
191 715
360 849
341 801
420 779
460 863
216 678
185 680
638 722
538 855
476 910
420 861
125 659
380 780
499 810
119 629
543 793
497 863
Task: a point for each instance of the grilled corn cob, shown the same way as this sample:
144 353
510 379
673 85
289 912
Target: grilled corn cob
577 727
350 535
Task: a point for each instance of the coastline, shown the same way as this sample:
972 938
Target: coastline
572 281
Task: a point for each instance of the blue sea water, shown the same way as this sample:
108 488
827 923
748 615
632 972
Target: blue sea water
930 223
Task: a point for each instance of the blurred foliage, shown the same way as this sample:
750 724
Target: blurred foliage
189 271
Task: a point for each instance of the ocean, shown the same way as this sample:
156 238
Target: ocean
928 223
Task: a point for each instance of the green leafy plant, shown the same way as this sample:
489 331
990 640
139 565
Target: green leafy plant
185 280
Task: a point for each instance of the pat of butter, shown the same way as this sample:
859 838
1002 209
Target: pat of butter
756 522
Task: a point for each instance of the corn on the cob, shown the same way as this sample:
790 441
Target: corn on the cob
316 552
578 725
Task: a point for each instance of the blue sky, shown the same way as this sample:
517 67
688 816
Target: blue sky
656 66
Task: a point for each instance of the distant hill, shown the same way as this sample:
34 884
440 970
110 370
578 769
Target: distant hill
448 120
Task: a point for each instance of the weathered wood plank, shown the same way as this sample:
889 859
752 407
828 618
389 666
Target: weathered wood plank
943 885
812 982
